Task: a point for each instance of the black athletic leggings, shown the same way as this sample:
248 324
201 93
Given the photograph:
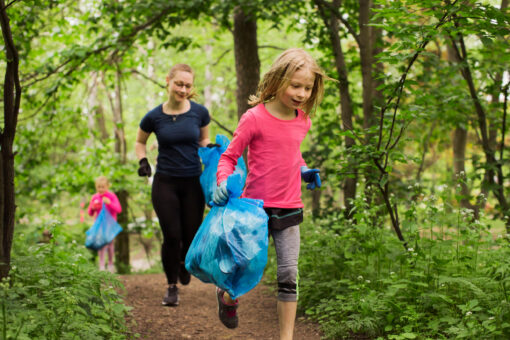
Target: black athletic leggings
179 203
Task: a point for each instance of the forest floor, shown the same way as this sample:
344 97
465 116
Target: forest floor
196 317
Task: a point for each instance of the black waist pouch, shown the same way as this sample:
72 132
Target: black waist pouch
280 218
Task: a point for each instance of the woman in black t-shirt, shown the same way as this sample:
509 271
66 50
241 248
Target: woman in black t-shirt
181 126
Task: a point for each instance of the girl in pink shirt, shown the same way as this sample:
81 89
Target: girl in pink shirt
113 206
273 131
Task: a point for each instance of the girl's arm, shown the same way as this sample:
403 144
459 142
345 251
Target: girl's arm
114 206
241 139
92 206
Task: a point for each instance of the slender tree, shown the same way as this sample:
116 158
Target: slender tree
331 22
246 57
11 101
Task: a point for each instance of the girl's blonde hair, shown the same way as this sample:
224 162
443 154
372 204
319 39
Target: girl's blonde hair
102 179
184 68
278 78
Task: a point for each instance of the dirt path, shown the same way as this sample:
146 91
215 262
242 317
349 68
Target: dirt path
196 316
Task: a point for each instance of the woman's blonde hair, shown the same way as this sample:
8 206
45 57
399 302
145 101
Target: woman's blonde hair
184 68
279 75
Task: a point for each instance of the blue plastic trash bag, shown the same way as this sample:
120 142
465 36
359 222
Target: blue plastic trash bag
210 158
103 231
230 247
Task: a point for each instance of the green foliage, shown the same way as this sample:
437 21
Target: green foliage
452 281
55 292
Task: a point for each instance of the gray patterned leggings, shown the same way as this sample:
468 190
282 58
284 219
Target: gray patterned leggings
287 243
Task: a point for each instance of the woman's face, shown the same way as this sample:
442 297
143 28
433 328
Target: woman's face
179 87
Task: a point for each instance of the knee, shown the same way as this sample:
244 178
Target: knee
287 283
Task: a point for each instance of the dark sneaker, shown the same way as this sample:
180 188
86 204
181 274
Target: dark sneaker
227 312
171 297
184 276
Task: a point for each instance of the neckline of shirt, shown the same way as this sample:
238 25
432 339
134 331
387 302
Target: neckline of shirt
174 115
279 119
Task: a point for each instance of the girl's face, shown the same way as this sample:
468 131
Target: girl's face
101 187
299 89
179 87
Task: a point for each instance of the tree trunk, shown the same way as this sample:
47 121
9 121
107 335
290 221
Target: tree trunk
11 104
459 152
96 119
331 22
122 240
122 260
208 79
316 203
493 165
493 123
459 159
118 123
370 43
246 58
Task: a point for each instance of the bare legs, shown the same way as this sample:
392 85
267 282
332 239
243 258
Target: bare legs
110 249
286 318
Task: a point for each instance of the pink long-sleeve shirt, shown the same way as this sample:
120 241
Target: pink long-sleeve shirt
274 157
96 204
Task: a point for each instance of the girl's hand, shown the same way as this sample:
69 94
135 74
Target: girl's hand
311 176
220 196
106 200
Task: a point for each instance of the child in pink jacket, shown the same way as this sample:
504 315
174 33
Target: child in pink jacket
113 205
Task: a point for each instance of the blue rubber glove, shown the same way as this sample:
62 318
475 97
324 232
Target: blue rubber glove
311 176
220 196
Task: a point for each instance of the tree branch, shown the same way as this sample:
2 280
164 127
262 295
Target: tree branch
147 77
503 127
398 89
128 38
9 4
340 18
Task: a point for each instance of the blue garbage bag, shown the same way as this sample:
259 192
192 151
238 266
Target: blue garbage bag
210 158
230 247
103 231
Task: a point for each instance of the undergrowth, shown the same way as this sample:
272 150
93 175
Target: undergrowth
451 280
54 291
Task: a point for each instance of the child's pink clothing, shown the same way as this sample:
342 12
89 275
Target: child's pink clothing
274 156
96 204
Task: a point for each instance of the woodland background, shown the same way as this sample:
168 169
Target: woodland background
407 238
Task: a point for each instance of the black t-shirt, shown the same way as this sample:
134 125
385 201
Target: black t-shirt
177 137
